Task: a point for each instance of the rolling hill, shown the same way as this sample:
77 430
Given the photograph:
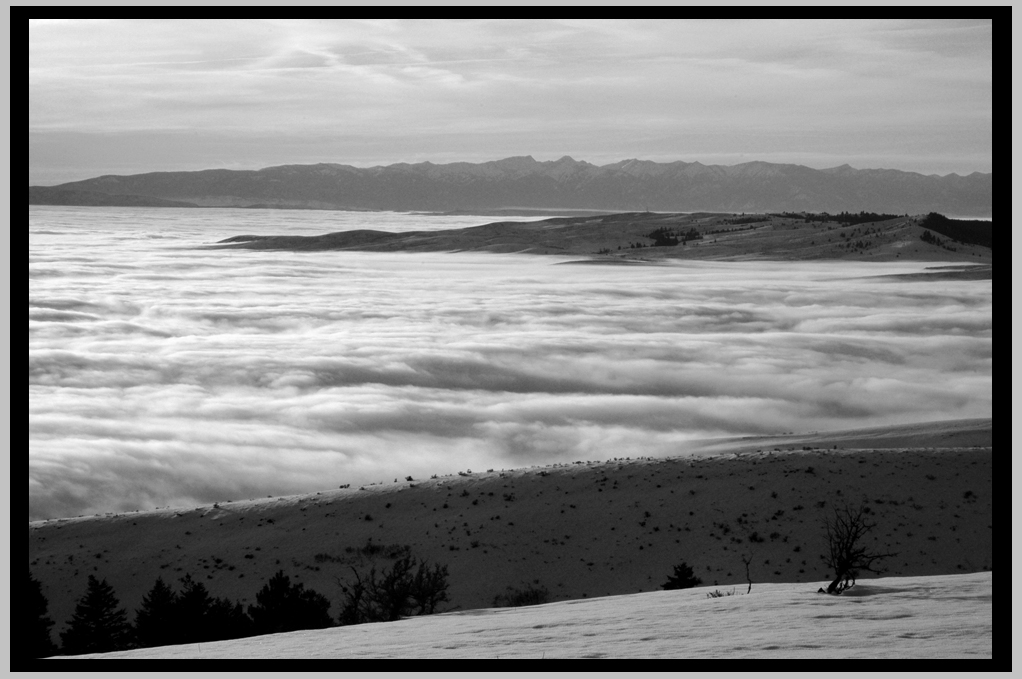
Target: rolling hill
648 236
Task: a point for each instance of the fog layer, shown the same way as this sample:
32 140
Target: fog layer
161 374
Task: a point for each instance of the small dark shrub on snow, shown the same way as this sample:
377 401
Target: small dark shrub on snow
529 595
683 578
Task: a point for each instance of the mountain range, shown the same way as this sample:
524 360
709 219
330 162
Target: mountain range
523 183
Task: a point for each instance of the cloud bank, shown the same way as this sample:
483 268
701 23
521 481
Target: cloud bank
164 375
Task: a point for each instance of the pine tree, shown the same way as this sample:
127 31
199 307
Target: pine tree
283 607
156 621
192 607
227 620
97 625
39 645
203 618
683 578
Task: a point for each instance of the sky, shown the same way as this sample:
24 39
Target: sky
165 374
122 97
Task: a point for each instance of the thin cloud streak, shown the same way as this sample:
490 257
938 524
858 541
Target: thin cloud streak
164 375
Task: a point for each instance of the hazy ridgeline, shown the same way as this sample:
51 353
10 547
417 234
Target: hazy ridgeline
161 374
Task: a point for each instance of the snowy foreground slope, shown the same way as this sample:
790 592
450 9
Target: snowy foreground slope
949 616
584 530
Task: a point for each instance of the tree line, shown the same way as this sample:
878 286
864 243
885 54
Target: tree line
846 218
664 237
974 231
190 614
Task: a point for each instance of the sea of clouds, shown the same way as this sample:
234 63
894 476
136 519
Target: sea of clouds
162 373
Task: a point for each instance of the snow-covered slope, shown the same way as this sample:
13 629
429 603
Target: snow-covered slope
949 616
581 530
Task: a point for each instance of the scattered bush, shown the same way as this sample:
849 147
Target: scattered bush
716 594
529 595
371 549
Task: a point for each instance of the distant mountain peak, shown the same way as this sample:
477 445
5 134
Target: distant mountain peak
516 160
565 183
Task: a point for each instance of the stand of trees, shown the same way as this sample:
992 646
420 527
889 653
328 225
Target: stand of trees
39 643
973 231
928 237
283 607
846 218
189 616
664 237
192 615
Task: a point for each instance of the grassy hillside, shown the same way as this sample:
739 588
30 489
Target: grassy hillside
48 195
646 236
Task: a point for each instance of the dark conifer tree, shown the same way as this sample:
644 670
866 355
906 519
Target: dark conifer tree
156 621
683 578
98 625
283 607
193 606
202 617
228 620
40 644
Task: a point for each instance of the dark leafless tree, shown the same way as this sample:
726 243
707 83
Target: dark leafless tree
847 555
393 593
747 560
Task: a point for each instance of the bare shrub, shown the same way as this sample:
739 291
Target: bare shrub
409 587
529 595
846 554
